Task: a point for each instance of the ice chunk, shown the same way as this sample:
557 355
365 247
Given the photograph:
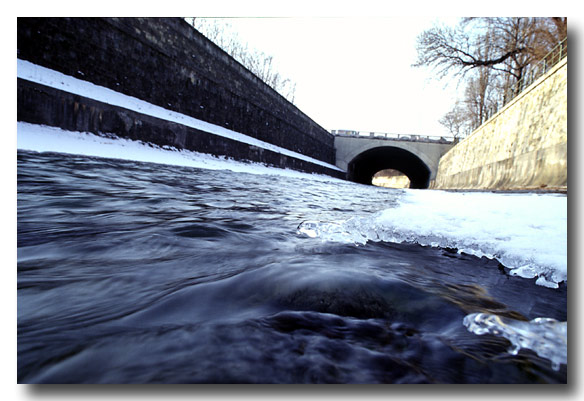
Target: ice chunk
333 231
547 337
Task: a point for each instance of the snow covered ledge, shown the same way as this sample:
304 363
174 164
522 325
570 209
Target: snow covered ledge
40 138
54 79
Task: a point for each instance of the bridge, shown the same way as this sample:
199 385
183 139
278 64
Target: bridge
362 154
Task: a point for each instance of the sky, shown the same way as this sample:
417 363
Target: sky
355 73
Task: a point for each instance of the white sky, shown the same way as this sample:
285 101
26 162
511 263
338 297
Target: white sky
355 72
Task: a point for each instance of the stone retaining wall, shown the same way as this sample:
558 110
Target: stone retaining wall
166 62
524 146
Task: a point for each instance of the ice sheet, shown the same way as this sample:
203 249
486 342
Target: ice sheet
526 232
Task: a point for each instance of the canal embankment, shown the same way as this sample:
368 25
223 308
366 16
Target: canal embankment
205 101
522 147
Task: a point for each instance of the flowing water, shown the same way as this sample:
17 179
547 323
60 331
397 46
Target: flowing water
135 272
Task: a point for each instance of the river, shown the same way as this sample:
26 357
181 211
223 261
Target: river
135 272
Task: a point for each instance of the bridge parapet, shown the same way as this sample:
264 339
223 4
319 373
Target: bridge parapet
394 137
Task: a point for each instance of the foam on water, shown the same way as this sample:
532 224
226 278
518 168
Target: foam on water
547 337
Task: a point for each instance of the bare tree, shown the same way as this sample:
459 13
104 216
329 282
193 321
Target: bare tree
490 55
461 49
455 121
258 62
550 32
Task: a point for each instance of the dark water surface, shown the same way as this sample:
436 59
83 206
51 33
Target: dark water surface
134 272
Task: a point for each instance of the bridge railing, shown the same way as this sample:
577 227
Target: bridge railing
394 137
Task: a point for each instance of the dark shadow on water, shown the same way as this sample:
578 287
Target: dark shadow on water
292 390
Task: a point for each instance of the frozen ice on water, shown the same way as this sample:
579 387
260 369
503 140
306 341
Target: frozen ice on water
541 280
332 231
527 233
547 337
308 228
526 271
356 231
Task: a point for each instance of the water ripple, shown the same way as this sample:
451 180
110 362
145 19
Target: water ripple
140 273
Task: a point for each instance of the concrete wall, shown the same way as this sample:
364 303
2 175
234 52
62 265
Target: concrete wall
167 63
524 146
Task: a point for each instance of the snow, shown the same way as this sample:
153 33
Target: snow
41 138
527 233
54 79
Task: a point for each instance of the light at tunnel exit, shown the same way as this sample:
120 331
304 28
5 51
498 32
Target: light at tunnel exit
390 178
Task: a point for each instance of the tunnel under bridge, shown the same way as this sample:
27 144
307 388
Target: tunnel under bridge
416 157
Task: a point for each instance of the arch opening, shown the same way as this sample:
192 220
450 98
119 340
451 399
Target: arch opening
365 165
390 178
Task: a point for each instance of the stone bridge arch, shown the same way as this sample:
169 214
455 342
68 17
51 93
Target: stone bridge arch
361 158
364 166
